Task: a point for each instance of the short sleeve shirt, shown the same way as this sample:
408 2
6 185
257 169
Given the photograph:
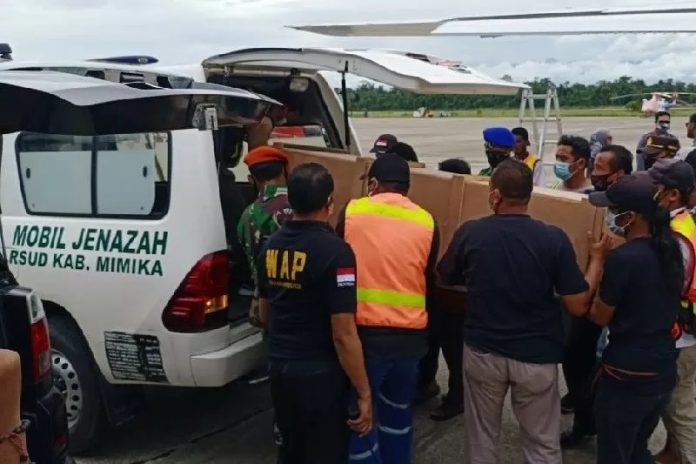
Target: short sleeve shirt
513 266
645 310
308 274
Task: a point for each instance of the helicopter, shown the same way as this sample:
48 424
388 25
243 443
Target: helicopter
658 101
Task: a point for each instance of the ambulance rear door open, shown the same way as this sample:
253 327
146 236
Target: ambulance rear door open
403 70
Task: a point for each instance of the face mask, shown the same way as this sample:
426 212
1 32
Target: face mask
495 158
562 170
600 183
610 220
663 125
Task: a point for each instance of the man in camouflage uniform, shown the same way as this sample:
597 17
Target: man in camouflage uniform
268 173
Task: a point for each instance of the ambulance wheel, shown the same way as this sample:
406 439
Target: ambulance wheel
75 375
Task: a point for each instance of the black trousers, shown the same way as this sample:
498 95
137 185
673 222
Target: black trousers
625 421
311 410
446 332
580 356
584 418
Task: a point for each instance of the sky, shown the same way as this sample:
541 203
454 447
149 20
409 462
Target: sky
187 31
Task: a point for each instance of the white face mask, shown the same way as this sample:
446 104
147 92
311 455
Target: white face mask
610 220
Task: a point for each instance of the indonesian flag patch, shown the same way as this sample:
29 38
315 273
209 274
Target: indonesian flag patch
345 277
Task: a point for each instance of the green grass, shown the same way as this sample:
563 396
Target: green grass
573 112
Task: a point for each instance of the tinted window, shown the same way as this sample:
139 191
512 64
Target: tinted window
112 175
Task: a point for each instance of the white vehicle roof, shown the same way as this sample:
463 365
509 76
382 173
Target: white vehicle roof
659 19
114 72
409 71
56 102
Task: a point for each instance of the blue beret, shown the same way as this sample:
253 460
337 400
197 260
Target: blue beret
499 136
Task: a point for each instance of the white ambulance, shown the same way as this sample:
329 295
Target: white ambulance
129 236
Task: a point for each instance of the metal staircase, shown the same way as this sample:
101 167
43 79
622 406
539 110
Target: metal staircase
552 113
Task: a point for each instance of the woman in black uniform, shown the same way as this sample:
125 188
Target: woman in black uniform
638 299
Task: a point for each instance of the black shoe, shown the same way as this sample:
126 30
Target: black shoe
427 392
567 404
446 411
574 438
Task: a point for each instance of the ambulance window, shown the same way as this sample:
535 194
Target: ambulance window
110 176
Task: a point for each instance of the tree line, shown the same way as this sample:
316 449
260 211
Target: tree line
371 97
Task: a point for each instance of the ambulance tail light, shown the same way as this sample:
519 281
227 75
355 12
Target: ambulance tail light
40 340
202 300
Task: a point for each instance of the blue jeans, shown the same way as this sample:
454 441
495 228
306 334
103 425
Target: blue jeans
393 384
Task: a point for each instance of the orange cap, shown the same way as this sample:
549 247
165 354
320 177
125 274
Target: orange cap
265 154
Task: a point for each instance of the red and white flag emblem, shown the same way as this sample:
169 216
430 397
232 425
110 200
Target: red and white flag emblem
345 276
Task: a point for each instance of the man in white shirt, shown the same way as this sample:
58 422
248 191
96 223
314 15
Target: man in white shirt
521 152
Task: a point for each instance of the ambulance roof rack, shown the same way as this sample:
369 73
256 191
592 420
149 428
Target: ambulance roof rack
5 51
129 59
552 113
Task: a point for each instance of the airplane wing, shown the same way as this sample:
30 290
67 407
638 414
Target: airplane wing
568 22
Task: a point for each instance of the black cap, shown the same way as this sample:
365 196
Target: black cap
383 143
390 168
635 192
673 174
404 150
661 143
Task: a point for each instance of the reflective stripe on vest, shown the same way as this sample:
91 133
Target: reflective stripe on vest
389 297
391 237
684 225
366 206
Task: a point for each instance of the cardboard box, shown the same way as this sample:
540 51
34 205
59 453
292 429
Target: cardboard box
10 386
453 199
442 194
571 212
348 172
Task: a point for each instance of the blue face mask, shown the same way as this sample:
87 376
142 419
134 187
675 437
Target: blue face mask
562 170
610 220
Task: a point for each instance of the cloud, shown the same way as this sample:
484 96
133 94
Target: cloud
186 31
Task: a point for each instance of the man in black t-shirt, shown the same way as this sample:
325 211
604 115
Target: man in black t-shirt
513 266
308 300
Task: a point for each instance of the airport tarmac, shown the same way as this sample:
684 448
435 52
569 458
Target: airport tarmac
233 423
435 139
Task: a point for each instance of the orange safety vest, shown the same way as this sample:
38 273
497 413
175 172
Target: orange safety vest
391 237
683 225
